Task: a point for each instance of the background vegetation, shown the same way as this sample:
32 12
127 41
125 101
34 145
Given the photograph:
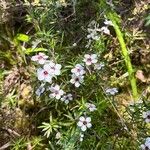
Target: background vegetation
66 30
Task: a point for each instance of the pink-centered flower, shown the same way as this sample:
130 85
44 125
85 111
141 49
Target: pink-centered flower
44 75
84 123
90 59
67 98
77 80
78 70
56 92
54 69
40 58
91 107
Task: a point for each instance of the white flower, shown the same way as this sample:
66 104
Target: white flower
40 58
74 44
40 90
67 98
56 92
99 66
53 68
108 22
90 59
81 137
111 91
44 75
146 116
84 123
76 80
91 107
105 30
146 145
78 70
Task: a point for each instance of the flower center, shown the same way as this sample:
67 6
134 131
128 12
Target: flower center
89 59
77 79
45 73
146 148
78 70
40 57
148 116
84 122
53 68
56 92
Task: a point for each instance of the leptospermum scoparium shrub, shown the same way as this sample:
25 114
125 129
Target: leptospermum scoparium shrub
47 75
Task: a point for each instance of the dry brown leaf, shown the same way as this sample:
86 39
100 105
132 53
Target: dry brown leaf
139 75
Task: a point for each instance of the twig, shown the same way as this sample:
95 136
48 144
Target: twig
5 146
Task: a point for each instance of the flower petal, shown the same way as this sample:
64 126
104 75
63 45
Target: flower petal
87 56
77 84
83 128
80 123
48 79
82 118
89 125
88 119
58 96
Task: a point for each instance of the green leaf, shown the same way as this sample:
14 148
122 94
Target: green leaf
22 37
31 50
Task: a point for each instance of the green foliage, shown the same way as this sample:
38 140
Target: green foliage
61 29
147 20
22 37
49 127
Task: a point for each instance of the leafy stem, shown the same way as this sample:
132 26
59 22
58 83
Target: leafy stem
125 55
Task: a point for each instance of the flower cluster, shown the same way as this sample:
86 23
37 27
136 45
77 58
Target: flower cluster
94 29
46 74
49 70
78 71
77 75
146 145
